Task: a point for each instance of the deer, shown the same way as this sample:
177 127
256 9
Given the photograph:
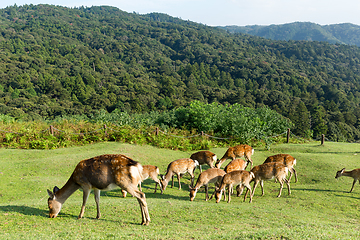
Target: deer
286 159
211 175
237 177
204 157
241 150
103 172
236 164
178 168
148 171
268 171
355 174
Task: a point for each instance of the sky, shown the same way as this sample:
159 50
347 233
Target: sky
228 12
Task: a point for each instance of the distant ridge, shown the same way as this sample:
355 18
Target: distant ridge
345 33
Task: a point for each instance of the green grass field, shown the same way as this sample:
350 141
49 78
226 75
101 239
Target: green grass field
319 207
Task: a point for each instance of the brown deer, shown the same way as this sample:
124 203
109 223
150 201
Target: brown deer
268 171
149 171
241 150
101 173
178 168
204 157
236 164
286 159
237 177
211 175
355 174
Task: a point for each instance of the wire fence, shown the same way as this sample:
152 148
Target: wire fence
52 130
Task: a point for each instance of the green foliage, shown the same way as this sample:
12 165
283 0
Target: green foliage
58 61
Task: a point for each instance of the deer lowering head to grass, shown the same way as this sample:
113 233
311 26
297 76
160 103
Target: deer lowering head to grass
286 159
178 168
355 174
211 175
268 171
240 178
149 171
101 173
241 150
204 157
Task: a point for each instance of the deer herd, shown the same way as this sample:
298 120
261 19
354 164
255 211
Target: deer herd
106 172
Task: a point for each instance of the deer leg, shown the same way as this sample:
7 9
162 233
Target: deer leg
143 205
262 187
288 185
206 192
178 177
230 191
255 185
97 201
172 180
281 186
86 193
200 168
192 178
247 190
296 179
140 186
353 185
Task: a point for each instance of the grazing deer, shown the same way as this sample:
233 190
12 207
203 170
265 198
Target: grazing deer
204 157
355 174
149 171
212 175
178 168
286 159
241 150
268 171
237 177
101 173
236 164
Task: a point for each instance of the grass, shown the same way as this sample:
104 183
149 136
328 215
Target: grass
319 207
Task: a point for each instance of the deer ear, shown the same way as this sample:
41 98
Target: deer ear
342 170
51 194
56 189
162 176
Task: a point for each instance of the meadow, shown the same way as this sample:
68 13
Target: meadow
319 206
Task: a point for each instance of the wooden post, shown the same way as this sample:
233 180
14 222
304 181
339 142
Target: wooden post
288 136
156 131
105 130
51 130
322 139
202 133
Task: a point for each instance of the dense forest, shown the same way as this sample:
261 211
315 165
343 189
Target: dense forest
344 33
58 61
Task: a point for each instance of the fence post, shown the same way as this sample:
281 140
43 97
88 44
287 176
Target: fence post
156 131
322 139
202 133
105 130
51 130
288 136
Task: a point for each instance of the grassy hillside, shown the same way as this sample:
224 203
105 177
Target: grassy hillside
319 207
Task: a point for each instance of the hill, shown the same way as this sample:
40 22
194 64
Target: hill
345 33
58 61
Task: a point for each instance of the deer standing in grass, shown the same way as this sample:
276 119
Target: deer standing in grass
204 157
149 171
211 175
103 172
241 150
286 159
236 164
234 178
355 174
268 171
178 168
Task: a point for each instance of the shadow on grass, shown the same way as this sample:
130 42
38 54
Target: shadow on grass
25 210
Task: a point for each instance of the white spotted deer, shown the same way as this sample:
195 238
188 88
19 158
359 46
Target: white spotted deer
355 174
236 164
101 173
211 175
149 171
268 171
235 178
204 157
286 159
178 168
241 150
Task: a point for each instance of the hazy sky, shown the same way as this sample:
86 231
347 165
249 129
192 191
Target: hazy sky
229 12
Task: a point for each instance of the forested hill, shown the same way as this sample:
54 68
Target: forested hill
60 61
345 33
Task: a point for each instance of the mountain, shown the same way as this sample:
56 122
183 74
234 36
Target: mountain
345 33
57 61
